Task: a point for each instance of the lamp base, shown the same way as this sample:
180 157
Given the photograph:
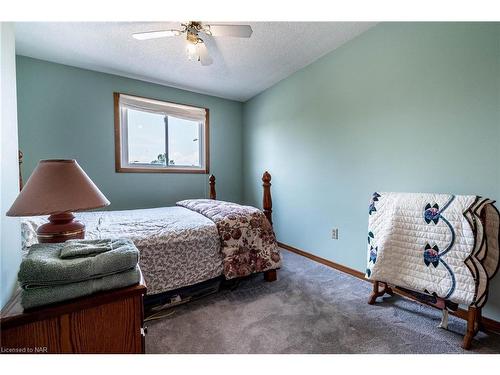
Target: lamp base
60 228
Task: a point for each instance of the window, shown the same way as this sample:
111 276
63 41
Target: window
157 136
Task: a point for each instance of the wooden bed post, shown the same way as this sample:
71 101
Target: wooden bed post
20 156
267 205
267 202
211 182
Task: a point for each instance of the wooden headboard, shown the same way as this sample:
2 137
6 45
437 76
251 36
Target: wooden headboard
267 202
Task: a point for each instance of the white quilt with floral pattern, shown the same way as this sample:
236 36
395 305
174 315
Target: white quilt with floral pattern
438 244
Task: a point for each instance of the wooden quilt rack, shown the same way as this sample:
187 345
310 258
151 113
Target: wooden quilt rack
473 314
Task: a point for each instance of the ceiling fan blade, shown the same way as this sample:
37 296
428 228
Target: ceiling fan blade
156 34
238 31
205 58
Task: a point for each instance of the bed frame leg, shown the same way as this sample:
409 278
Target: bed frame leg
377 292
473 317
270 275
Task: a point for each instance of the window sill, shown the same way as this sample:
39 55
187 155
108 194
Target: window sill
162 170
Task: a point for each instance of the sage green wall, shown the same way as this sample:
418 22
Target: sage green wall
67 112
10 232
403 107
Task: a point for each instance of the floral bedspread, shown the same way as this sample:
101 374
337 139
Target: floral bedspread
248 243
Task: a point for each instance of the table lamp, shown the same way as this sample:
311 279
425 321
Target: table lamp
58 188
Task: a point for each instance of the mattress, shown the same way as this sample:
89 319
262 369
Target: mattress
178 247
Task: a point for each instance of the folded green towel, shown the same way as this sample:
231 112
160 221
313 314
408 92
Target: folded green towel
43 296
82 248
42 266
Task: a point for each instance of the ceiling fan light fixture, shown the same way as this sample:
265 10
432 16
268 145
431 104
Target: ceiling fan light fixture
196 48
156 34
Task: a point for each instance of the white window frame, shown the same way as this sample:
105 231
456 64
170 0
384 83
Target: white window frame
124 101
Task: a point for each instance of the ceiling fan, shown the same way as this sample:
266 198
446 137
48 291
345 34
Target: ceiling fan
194 30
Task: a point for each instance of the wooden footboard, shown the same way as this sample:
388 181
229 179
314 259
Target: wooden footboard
267 208
267 202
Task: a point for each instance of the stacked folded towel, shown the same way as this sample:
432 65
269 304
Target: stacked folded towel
56 272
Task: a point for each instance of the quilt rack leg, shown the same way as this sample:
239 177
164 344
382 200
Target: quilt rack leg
377 292
473 322
270 275
444 319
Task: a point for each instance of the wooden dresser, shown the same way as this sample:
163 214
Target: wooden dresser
105 322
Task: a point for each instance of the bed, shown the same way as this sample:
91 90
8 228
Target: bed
195 241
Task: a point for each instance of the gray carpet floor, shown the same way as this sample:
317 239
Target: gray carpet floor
310 309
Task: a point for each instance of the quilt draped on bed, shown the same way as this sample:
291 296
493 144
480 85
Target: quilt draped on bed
178 247
247 238
439 244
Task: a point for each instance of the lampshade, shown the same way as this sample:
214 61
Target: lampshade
57 186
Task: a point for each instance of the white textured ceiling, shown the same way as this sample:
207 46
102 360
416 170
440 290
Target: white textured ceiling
242 68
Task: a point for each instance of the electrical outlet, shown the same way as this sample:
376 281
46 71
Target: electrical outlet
335 234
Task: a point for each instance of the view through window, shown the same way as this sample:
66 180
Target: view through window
160 136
